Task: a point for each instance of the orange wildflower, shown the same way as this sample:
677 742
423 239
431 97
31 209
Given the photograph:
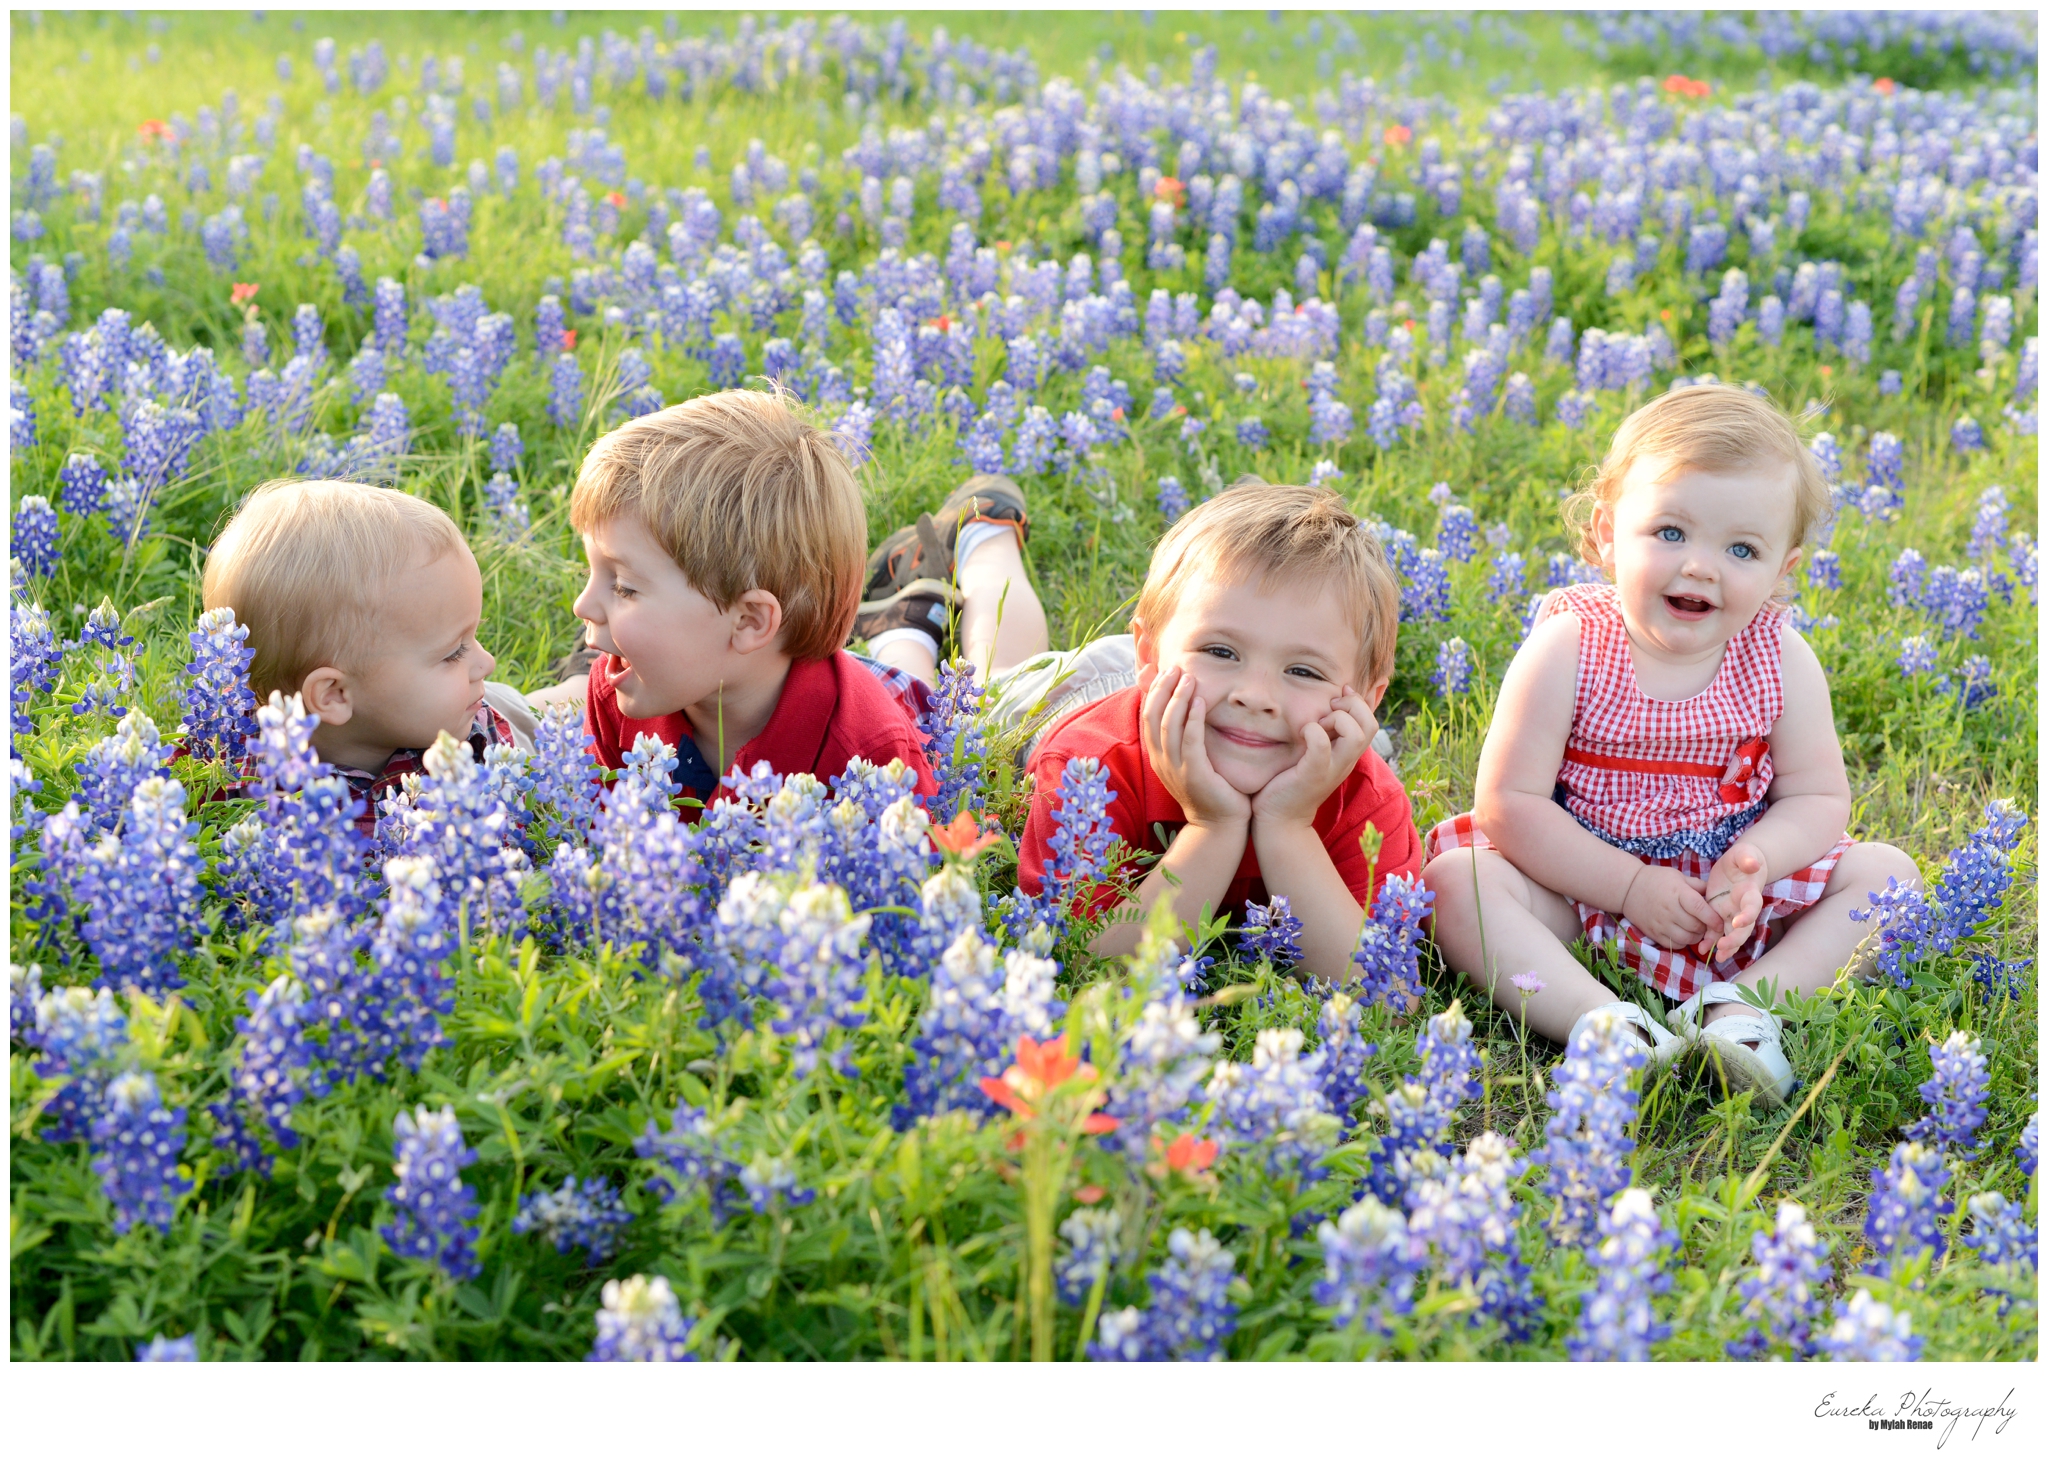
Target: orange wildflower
1885 85
962 837
242 292
1190 1154
1172 190
1396 135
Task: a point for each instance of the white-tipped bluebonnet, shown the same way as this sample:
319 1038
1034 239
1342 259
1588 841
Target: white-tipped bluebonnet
1420 1111
1976 876
504 511
169 1348
136 1143
1369 1267
1389 948
567 779
85 485
1617 1321
1081 838
34 542
506 448
138 890
1173 500
1955 1096
1253 433
1966 436
1453 673
1907 1207
277 1067
954 741
1916 656
1462 1216
1824 570
433 1205
1781 1296
1165 1057
83 1035
640 1321
1276 1101
976 1011
24 996
1343 1052
586 1216
32 660
405 990
1867 1330
817 954
771 1186
219 706
565 392
1587 1146
2000 1234
300 850
1094 1241
114 769
461 818
1191 1314
1271 934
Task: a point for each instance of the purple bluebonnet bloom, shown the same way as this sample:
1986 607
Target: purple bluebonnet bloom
1587 1146
136 1143
35 535
219 707
1271 934
771 1186
1955 1096
506 447
1190 1314
1173 500
688 1155
1453 673
1508 578
1165 1056
169 1348
640 1321
1866 1330
801 948
728 361
1252 433
1081 837
1916 656
1618 1321
434 1206
1369 1267
32 662
1420 1111
1977 875
565 392
1907 1207
1825 570
85 486
278 1067
464 816
1390 943
1457 533
976 1010
1276 1101
1463 1215
1518 403
136 889
1093 1237
1966 437
83 1035
586 1216
1781 1297
2001 1235
1342 1054
953 737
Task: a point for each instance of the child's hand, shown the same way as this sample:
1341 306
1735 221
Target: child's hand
1333 746
1670 907
1175 741
1735 887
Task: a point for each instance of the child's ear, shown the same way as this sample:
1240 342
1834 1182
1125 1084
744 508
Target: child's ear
758 621
1374 694
1148 648
1603 535
324 691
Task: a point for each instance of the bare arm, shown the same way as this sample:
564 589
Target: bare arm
1294 861
1203 859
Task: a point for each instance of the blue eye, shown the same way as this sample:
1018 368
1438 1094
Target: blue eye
1671 535
1742 551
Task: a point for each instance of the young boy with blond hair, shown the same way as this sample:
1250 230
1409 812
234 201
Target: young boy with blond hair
1236 722
365 602
726 538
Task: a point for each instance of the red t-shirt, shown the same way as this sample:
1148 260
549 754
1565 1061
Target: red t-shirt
1108 731
831 711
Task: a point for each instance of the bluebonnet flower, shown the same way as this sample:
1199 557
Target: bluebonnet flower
1173 500
957 747
1618 1321
1781 1297
1390 943
1976 876
1164 1059
1427 596
506 512
1885 461
640 1321
1987 531
300 851
1271 934
690 1153
566 779
1966 437
82 1034
32 663
136 1142
505 448
1457 533
1866 1330
1587 1146
1420 1111
1462 1219
137 889
1907 1206
2001 978
1342 1055
588 1216
1190 1314
1252 433
25 995
1889 383
466 821
1825 570
1329 420
169 1348
2027 1152
1955 1096
1081 838
565 392
1916 656
2001 1235
219 707
727 363
35 535
1453 673
855 430
278 1066
1369 1267
807 948
770 1184
85 485
434 1205
1505 583
1276 1100
1092 1236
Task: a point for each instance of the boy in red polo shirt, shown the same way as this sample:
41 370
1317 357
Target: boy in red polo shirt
727 539
1243 753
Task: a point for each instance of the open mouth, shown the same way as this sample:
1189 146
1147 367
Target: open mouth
1690 608
615 669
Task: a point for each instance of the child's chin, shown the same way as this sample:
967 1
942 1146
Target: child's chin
1243 776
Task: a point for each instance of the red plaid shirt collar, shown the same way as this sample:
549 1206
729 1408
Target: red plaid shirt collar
490 727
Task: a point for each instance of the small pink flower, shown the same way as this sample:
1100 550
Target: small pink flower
1527 983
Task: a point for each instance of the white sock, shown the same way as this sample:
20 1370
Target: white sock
925 640
973 537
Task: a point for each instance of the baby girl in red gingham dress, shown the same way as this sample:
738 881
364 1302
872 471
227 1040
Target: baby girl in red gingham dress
1662 767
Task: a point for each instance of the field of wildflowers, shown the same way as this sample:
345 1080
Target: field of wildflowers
538 1074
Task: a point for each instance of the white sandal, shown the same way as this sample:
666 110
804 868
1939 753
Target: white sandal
1764 1070
1664 1047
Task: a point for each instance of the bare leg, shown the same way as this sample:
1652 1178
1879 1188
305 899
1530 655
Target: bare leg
1492 922
1817 942
1002 622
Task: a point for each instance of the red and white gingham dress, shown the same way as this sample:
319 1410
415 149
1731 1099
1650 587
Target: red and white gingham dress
1675 783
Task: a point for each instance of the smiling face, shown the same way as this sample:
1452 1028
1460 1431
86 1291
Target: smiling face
667 644
1695 553
429 671
1266 662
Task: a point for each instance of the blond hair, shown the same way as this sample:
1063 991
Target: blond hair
1285 534
1713 426
304 564
742 493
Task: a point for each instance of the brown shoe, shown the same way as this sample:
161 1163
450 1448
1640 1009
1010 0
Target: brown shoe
924 551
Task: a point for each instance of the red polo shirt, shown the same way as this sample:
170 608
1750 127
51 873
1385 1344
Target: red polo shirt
831 711
1108 731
